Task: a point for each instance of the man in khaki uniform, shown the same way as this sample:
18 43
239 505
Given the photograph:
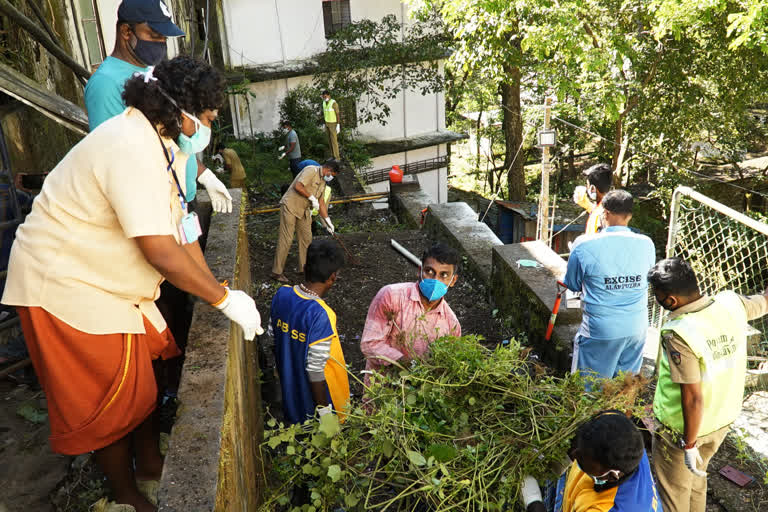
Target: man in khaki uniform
305 194
235 167
701 379
332 122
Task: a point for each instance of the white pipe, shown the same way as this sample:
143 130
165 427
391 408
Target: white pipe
405 252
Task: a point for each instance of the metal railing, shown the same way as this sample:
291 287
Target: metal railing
429 164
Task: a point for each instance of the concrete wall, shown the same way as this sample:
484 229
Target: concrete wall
456 224
526 296
411 113
213 458
268 31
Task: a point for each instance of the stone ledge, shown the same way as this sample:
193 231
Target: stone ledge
392 146
407 200
212 460
457 225
527 295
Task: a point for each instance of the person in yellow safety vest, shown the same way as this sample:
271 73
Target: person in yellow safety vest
326 198
701 379
599 180
332 122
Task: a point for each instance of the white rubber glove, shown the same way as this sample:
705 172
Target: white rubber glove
219 170
530 490
220 198
315 202
325 409
338 128
281 148
240 308
329 225
218 158
693 459
282 155
580 198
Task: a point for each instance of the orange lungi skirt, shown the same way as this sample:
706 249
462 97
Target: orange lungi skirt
99 387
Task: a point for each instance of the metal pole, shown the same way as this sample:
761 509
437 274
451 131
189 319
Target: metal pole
543 222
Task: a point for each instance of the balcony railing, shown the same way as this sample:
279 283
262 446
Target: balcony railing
429 164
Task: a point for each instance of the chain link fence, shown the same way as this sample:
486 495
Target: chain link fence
727 250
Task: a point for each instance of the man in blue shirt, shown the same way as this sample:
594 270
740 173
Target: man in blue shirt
143 27
610 269
310 362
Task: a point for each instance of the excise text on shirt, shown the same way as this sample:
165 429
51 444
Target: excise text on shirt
610 269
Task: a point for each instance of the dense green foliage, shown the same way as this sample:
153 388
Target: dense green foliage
458 430
372 62
652 77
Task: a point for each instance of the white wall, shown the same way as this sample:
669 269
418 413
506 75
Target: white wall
273 31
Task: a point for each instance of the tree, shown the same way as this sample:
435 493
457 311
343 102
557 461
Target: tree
486 42
374 62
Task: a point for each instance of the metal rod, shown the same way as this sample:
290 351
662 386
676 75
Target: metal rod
405 252
7 324
15 366
749 221
341 200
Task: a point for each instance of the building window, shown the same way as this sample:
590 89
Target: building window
335 16
94 39
348 112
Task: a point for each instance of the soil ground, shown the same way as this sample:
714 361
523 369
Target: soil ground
367 234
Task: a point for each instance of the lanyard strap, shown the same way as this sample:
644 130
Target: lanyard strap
170 161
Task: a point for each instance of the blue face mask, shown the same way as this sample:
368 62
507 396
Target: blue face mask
197 142
432 289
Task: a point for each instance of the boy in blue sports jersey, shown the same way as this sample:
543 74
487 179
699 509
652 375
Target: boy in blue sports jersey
310 362
610 472
610 269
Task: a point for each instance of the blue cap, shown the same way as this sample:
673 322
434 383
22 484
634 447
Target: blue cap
152 12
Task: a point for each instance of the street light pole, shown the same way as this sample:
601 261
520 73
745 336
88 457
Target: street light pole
543 217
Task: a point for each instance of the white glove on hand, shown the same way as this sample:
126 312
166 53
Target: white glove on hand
218 158
220 198
240 308
530 490
329 225
693 459
281 148
315 202
282 155
338 128
579 194
323 410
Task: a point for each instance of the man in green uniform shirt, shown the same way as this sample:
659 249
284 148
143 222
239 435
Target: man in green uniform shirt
701 379
332 119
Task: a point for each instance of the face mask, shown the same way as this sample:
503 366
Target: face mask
592 193
151 52
197 142
432 289
602 479
328 179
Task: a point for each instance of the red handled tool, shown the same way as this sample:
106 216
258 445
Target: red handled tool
561 289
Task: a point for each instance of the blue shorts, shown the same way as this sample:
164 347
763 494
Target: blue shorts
606 358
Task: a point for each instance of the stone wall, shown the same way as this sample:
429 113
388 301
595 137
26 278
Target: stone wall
213 458
456 224
526 295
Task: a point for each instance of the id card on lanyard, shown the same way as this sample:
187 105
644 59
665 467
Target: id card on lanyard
189 227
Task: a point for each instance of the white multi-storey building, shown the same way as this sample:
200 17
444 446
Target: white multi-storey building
275 40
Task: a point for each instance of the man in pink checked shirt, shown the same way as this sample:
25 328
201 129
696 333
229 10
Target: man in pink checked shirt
404 318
